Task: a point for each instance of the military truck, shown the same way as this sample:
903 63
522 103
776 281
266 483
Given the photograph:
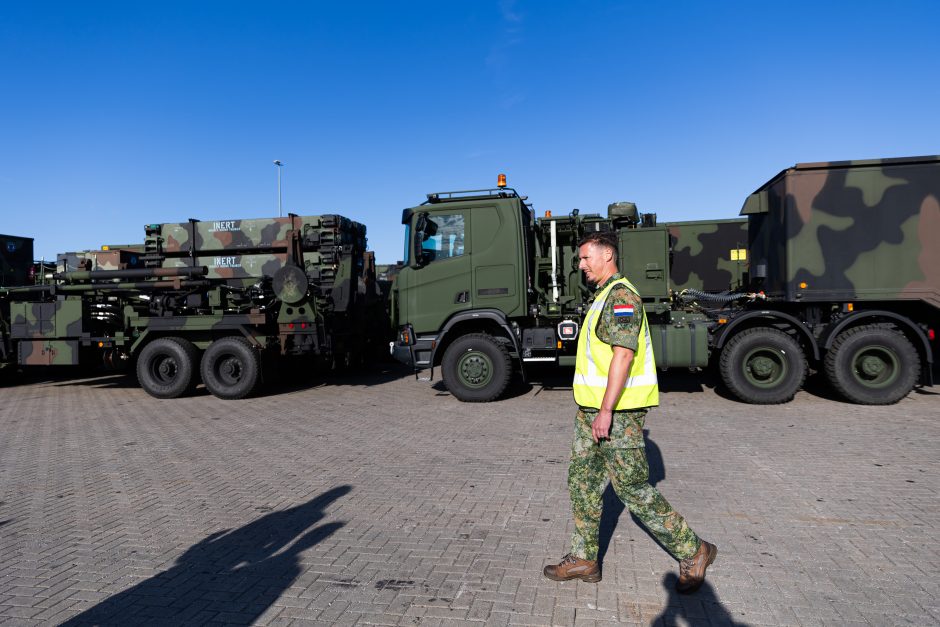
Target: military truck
210 301
841 277
846 254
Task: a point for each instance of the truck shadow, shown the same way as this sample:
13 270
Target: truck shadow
679 380
275 382
66 376
817 385
280 382
230 576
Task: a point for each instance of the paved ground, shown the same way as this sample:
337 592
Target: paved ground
382 500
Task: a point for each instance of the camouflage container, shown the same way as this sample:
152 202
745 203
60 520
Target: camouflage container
329 248
112 258
47 333
260 234
708 255
848 230
16 259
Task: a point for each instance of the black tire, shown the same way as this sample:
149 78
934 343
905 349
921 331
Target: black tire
476 368
872 365
231 368
763 366
166 367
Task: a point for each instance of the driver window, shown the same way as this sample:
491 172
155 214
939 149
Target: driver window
444 237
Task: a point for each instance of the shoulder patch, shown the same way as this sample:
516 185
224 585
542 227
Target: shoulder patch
623 311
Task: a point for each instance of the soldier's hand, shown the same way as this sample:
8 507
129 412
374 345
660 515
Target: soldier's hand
600 428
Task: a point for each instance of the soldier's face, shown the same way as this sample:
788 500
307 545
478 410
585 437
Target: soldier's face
596 262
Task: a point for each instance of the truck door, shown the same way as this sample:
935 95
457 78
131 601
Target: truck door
440 286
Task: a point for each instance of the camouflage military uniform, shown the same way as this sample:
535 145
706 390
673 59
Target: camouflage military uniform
622 457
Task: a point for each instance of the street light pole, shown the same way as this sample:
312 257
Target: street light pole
278 163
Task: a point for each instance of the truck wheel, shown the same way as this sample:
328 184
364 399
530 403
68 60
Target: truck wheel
476 368
872 365
231 368
763 366
166 367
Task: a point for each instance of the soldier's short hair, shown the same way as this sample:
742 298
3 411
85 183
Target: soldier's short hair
607 239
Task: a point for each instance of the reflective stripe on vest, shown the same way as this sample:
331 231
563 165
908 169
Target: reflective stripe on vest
594 356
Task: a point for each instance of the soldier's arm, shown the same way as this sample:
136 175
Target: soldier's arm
619 327
616 378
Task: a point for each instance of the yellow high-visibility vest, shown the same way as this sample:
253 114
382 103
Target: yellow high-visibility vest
594 356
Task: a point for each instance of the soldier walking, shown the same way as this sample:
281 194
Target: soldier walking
615 385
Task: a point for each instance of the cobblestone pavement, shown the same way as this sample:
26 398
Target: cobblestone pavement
382 500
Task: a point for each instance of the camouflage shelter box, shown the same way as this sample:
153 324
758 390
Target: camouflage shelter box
16 257
708 255
865 230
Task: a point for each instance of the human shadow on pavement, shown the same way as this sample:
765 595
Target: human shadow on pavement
701 607
614 507
231 576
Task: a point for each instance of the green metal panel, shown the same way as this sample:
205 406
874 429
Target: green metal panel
497 265
680 345
644 260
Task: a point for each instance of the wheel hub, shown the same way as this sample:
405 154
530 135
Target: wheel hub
166 369
230 369
765 367
762 367
475 369
872 366
876 366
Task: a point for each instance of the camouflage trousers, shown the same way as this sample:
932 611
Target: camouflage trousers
622 458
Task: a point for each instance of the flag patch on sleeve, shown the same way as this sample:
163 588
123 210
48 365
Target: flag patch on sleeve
623 311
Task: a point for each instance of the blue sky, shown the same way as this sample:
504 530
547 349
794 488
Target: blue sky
115 115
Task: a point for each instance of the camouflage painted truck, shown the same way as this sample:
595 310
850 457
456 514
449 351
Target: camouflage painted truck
841 276
205 301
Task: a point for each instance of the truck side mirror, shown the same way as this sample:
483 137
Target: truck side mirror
418 236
